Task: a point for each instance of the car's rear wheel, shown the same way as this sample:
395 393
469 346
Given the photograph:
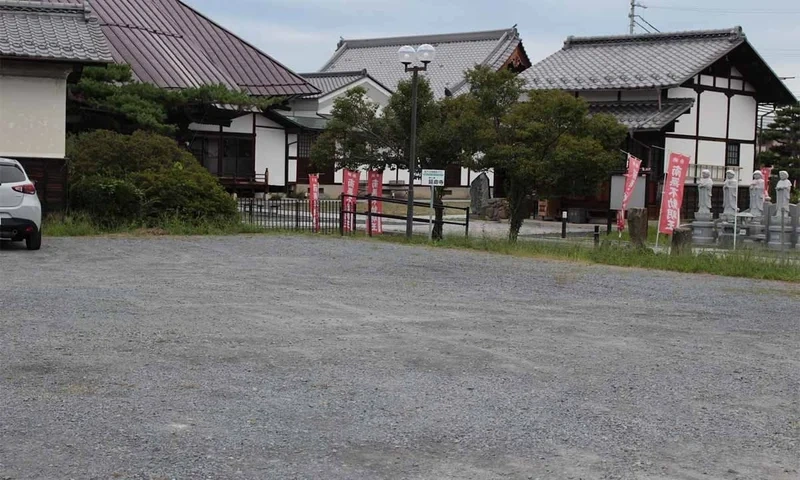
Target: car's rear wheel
34 240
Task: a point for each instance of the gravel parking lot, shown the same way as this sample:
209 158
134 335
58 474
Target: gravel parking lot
321 358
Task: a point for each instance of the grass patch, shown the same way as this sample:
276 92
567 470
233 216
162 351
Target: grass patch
81 225
744 264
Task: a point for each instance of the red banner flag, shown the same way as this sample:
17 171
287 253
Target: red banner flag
672 196
375 189
313 200
350 189
634 164
766 172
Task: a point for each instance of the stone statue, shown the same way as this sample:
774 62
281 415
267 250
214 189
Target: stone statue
704 188
479 194
757 194
783 190
731 195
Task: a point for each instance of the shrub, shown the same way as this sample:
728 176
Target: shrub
187 193
110 201
142 176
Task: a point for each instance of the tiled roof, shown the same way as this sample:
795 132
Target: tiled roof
633 61
30 29
455 54
331 81
171 45
644 115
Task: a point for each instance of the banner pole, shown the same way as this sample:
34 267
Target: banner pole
661 210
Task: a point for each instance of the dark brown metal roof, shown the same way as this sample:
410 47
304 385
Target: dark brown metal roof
171 45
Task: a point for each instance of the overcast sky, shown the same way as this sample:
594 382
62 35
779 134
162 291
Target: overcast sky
302 34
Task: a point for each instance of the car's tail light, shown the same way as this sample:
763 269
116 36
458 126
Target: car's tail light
28 189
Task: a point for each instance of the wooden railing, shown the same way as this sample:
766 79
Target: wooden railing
717 172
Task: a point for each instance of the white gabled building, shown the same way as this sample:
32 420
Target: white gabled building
697 93
455 54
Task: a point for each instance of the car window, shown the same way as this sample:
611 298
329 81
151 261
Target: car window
11 174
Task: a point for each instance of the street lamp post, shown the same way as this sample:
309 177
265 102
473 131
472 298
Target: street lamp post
411 59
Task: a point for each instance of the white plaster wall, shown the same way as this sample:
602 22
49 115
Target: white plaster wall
743 117
262 121
292 170
305 107
736 84
707 80
374 93
711 153
271 153
33 114
243 124
713 114
687 123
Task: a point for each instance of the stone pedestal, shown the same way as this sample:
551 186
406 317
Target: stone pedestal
703 229
756 231
725 234
779 237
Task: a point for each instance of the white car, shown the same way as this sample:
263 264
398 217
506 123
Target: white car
20 209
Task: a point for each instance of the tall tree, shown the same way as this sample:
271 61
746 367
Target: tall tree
783 138
546 144
361 135
110 98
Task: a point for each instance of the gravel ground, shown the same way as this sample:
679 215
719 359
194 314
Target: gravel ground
322 358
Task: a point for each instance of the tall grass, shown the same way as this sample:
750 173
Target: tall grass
82 225
744 264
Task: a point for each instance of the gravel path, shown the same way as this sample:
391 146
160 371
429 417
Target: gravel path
322 358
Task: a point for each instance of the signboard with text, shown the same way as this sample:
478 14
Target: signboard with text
433 178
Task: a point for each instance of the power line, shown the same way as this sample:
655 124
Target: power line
725 10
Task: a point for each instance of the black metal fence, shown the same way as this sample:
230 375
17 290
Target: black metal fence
294 214
369 214
289 214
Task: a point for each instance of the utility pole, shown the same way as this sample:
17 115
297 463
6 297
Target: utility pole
632 16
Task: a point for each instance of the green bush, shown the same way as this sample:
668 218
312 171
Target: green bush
186 193
142 177
109 200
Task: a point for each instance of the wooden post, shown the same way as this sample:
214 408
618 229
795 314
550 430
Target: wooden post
637 226
682 241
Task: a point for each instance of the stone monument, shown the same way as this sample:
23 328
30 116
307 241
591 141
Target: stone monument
783 192
730 199
757 195
703 225
755 224
730 202
781 224
479 194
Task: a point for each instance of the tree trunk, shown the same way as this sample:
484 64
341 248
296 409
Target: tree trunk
682 241
438 202
516 197
637 225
